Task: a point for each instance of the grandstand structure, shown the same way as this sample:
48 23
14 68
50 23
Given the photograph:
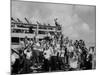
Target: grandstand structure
19 30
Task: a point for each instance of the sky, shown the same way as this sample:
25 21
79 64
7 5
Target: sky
78 21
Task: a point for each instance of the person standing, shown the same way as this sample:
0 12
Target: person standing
47 58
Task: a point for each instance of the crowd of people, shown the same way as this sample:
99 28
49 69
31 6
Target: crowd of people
52 53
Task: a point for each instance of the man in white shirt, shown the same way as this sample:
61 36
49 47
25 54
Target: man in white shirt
28 54
47 55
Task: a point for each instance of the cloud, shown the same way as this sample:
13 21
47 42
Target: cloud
82 27
87 14
71 32
85 27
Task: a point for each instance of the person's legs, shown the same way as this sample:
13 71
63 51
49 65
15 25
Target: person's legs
53 63
59 63
46 65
